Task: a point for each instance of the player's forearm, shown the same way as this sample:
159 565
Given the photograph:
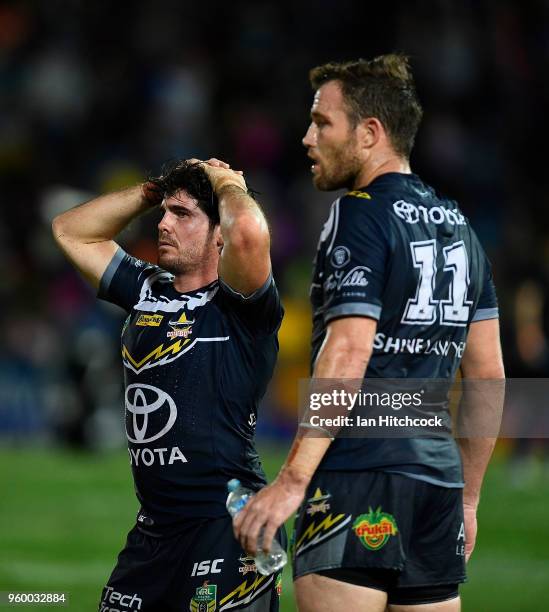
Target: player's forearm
102 218
340 358
479 418
475 456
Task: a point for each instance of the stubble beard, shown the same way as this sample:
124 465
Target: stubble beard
344 167
188 260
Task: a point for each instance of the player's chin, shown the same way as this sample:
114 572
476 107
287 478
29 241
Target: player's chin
323 183
166 261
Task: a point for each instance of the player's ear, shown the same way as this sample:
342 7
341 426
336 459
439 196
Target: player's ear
218 238
369 132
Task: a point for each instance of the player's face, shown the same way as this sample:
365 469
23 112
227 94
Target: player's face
331 141
185 240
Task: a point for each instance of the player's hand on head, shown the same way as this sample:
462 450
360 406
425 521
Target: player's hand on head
221 175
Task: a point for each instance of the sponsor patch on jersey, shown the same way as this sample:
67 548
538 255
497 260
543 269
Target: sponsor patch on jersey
318 503
204 599
145 320
410 213
341 256
181 328
360 194
375 528
141 402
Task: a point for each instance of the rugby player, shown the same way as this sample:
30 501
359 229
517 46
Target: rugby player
401 289
198 346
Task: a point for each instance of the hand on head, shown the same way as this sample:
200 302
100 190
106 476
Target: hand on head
220 174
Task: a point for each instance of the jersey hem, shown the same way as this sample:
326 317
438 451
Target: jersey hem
248 298
483 314
372 311
110 271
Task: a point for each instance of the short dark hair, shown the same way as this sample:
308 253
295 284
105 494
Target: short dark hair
191 177
382 87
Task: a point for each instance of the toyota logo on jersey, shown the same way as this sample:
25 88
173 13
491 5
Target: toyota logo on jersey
141 402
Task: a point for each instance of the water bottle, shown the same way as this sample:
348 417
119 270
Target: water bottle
266 563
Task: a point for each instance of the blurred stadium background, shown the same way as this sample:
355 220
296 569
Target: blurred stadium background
94 96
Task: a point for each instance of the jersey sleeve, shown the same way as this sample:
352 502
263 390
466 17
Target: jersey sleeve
122 280
354 269
487 307
261 312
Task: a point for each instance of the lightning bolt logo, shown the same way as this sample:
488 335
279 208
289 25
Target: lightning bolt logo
244 592
315 533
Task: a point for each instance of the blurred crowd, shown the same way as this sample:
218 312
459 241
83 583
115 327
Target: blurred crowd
94 96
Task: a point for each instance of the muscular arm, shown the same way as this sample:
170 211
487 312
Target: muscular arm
482 402
345 354
245 262
86 233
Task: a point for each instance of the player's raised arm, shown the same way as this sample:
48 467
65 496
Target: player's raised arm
86 233
245 262
482 361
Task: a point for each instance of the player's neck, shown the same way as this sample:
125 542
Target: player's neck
377 167
190 281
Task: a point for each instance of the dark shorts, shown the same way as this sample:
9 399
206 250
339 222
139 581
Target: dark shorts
200 568
372 521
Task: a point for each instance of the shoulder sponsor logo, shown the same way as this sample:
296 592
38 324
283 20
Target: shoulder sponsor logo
353 278
318 503
181 328
410 213
141 401
341 256
149 320
204 599
360 194
375 528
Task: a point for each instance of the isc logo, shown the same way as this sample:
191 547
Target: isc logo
207 567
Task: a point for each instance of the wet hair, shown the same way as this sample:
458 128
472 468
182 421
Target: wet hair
191 177
382 87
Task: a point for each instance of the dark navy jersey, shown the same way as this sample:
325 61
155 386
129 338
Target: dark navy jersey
196 365
398 253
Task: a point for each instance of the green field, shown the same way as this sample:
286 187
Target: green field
64 516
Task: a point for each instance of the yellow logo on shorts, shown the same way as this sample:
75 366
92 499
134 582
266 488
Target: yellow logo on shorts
375 528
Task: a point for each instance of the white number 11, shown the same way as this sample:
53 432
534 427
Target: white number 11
422 308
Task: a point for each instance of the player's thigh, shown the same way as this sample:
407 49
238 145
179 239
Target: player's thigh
218 574
451 605
315 593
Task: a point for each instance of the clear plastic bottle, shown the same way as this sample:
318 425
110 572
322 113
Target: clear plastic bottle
266 563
